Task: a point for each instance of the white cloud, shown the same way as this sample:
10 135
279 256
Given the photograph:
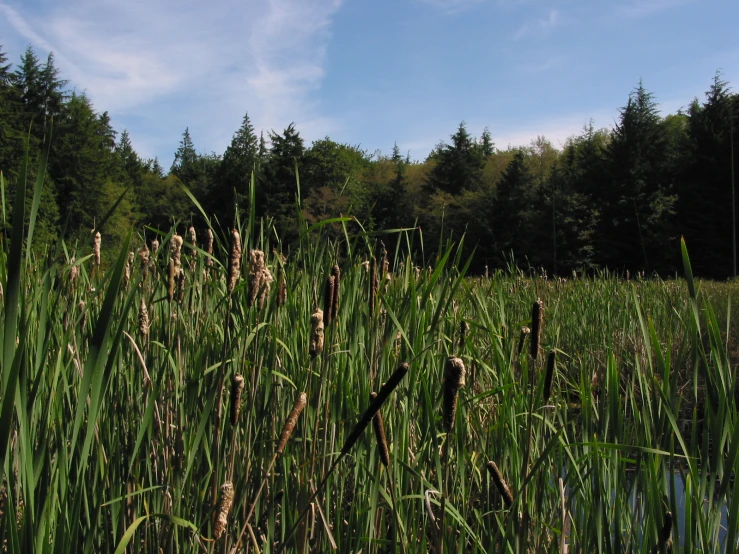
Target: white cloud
540 26
452 6
195 64
641 8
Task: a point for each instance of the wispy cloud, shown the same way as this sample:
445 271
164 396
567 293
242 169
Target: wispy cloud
642 8
541 26
194 64
452 6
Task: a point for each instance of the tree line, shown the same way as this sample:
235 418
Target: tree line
615 198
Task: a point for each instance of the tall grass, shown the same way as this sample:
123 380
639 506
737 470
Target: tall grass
111 439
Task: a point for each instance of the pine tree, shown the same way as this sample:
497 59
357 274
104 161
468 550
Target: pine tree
240 160
279 180
459 165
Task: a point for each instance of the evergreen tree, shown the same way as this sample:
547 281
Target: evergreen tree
240 160
459 165
185 158
487 146
279 180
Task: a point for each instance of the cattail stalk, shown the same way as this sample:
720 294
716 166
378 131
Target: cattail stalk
328 301
500 484
551 366
171 280
237 386
525 331
336 273
454 379
537 317
379 428
373 287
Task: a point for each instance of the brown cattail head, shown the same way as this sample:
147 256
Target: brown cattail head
328 300
375 405
525 331
500 484
180 284
464 327
292 418
175 248
237 385
143 254
154 246
209 247
336 273
144 321
281 288
224 507
665 534
127 270
379 427
454 379
537 318
74 273
316 333
96 248
193 241
234 261
265 286
171 279
256 275
551 365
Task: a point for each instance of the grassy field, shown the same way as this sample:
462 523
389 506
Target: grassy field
154 405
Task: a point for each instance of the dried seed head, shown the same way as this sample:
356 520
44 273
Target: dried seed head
292 419
143 254
282 289
171 279
522 337
180 284
193 241
237 385
209 247
551 364
265 286
256 275
336 273
316 334
144 321
234 261
154 246
224 507
379 428
81 306
127 270
366 265
96 248
537 318
74 272
454 379
175 248
328 300
500 484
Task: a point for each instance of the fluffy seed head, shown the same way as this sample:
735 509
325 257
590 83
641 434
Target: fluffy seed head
454 379
265 286
96 247
500 484
154 246
224 507
171 279
316 334
209 247
234 260
175 247
256 274
74 273
525 331
292 418
127 270
144 321
143 254
193 241
237 386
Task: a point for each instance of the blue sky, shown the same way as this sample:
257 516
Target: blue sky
375 73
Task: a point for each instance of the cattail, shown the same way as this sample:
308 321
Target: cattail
525 331
551 363
454 379
154 246
171 280
234 261
256 275
385 263
316 334
180 285
500 484
144 321
96 247
175 247
143 254
193 242
665 534
237 385
127 270
328 300
379 428
265 286
224 507
74 273
292 419
487 273
537 317
209 247
336 272
373 287
464 327
366 266
375 406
